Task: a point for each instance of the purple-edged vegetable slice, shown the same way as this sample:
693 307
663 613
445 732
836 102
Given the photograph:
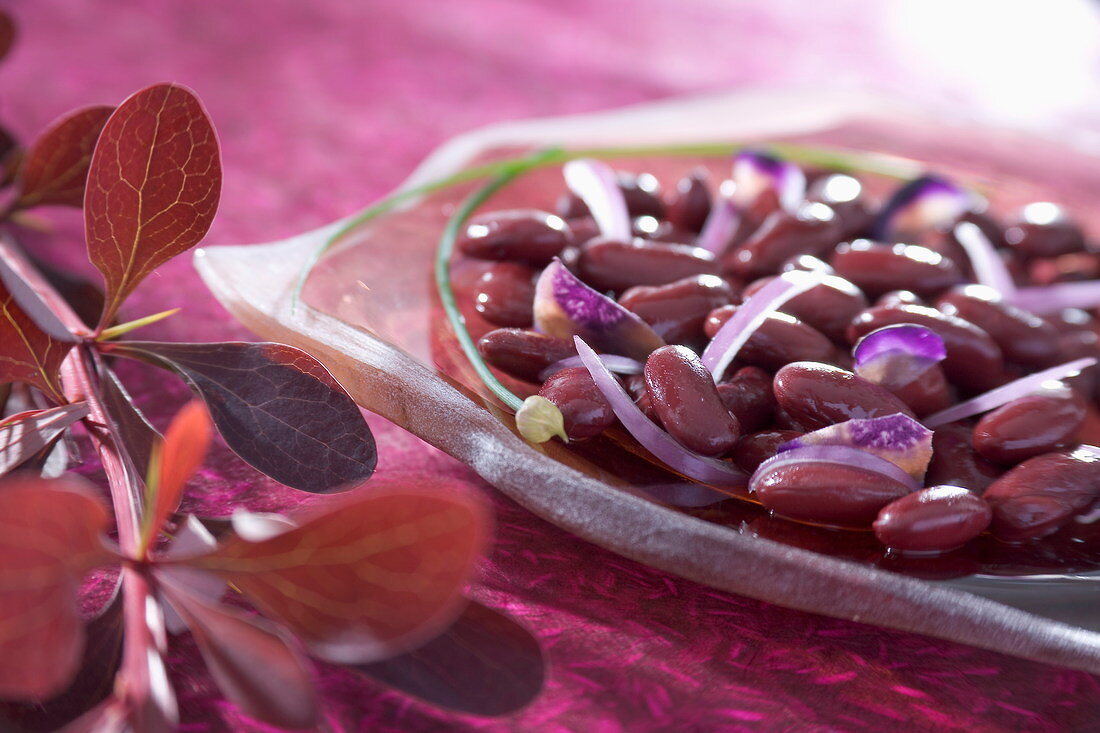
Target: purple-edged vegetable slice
615 363
755 172
723 348
566 307
662 445
1057 297
838 454
720 226
895 356
896 438
923 203
1007 392
598 186
989 268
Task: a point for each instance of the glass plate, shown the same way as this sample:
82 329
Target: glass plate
372 315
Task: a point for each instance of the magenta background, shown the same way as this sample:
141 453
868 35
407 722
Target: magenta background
325 105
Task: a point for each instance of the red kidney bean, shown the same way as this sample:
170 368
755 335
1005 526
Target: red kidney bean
784 421
753 449
780 340
1024 338
900 297
943 240
586 412
1044 230
1036 497
582 230
635 384
974 361
748 395
1029 426
956 463
642 194
524 235
523 354
936 519
926 394
691 203
844 195
879 268
828 307
1076 345
812 230
678 310
687 402
505 294
808 263
818 395
827 493
661 231
609 265
1065 268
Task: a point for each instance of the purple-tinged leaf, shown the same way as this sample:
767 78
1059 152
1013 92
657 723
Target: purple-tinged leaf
755 172
24 435
32 304
565 307
133 431
98 665
598 186
252 663
484 664
84 297
735 333
923 203
1057 297
895 356
662 445
55 165
276 406
27 353
837 454
989 269
1007 392
191 539
897 438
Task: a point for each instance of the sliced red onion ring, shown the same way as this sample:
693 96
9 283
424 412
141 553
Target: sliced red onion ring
652 438
755 172
566 307
720 226
923 203
614 363
1006 393
896 438
838 454
896 355
598 187
1058 297
723 348
988 266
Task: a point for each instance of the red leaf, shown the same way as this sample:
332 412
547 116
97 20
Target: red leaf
185 445
376 573
24 435
50 535
129 424
153 187
55 165
255 668
27 353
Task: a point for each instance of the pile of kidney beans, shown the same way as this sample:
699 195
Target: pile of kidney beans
1015 468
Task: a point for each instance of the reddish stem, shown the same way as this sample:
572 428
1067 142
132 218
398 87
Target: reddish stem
18 262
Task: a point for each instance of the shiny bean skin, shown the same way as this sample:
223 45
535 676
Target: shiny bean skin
505 294
1065 268
1036 497
828 307
748 395
956 463
974 361
844 195
1024 338
1029 426
523 235
677 311
1044 230
686 400
879 268
827 493
753 449
926 394
582 230
609 265
818 395
936 519
780 340
943 240
521 353
584 409
691 203
783 235
642 194
900 297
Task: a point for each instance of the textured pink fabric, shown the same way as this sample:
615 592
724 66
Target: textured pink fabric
325 105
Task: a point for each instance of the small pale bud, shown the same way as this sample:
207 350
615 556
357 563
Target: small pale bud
539 420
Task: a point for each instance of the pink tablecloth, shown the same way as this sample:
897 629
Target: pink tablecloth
325 105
